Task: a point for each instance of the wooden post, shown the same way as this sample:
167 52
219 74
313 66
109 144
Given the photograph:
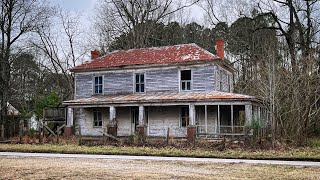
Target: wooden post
218 127
20 132
248 114
58 136
232 128
192 115
168 133
2 131
80 137
206 119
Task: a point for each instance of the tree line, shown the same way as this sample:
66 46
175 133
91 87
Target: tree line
273 45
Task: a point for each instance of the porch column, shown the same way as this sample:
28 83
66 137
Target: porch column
248 112
218 120
112 125
232 124
141 115
141 129
191 129
68 130
206 117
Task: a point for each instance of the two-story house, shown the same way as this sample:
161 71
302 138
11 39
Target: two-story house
183 89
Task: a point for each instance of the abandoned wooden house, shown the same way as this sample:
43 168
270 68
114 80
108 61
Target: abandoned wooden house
183 89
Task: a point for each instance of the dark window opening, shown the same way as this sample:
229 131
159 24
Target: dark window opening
185 78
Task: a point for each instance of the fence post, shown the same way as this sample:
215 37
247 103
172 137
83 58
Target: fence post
80 136
168 135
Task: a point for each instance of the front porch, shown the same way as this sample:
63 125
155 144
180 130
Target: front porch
209 120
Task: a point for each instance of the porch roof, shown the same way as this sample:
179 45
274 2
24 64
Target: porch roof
214 96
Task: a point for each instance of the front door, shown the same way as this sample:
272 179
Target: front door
134 119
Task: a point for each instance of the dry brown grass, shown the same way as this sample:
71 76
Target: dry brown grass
77 168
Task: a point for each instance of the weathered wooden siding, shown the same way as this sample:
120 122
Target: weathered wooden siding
118 83
162 118
166 80
203 78
84 120
123 116
226 87
83 86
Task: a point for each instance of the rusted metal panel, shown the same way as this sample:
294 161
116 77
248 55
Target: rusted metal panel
160 97
154 55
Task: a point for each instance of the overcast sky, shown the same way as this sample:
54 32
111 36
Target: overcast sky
86 9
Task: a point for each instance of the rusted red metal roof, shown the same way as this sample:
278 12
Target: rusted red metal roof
155 55
160 98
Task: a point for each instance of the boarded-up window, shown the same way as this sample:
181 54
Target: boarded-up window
185 79
97 118
98 85
184 116
139 82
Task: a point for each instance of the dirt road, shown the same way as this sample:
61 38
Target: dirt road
85 168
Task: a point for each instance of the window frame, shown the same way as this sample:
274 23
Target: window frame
135 84
96 119
97 85
185 81
186 117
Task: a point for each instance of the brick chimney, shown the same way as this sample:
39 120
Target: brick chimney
220 48
95 54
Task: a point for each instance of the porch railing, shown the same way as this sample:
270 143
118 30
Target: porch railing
204 130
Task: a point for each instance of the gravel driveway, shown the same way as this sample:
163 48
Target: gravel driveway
81 168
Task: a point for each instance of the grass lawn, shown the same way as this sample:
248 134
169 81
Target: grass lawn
306 153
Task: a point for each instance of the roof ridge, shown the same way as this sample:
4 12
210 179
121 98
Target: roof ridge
153 47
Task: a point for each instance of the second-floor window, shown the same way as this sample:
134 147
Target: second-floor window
185 79
139 82
98 85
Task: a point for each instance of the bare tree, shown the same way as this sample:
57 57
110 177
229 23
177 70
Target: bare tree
18 18
136 17
60 43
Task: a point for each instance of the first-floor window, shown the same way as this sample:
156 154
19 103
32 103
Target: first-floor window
97 118
184 116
